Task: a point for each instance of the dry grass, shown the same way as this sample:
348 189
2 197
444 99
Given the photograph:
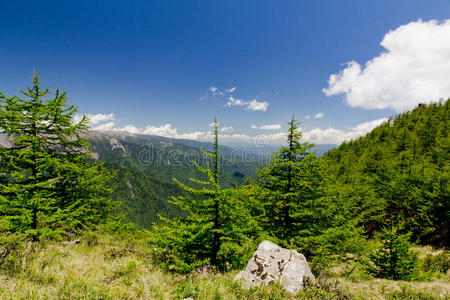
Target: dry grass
427 250
111 268
382 288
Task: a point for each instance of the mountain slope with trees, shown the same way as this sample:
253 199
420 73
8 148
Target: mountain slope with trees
146 166
403 167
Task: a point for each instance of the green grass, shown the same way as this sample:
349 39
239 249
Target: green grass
108 267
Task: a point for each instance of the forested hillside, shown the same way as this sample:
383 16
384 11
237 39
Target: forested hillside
402 168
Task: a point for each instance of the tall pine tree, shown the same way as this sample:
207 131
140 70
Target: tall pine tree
292 180
217 229
195 239
48 183
304 208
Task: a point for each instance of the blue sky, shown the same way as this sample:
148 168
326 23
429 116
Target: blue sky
154 65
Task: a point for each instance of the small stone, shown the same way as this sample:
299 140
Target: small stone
72 243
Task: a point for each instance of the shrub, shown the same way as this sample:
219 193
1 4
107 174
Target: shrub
12 247
394 260
91 238
437 263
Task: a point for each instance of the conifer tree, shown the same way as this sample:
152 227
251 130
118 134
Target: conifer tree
216 188
48 184
305 208
292 180
394 259
196 238
217 228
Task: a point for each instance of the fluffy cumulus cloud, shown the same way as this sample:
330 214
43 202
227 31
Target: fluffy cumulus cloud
256 105
413 69
163 130
321 136
337 136
249 105
267 127
94 118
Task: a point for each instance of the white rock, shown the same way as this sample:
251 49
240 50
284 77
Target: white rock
270 263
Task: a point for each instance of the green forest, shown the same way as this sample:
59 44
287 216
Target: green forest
374 212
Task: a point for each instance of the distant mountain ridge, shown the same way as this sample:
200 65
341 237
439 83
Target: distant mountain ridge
146 166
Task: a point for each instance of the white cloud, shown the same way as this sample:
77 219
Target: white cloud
77 118
319 115
316 135
232 101
271 127
414 69
164 130
213 91
337 136
94 118
308 117
99 118
252 105
267 127
105 126
255 105
235 102
226 129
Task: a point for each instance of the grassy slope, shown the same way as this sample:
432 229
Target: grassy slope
112 268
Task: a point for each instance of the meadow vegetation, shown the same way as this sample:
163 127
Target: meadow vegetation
116 266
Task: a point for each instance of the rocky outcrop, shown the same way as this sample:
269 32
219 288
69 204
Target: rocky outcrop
271 263
115 144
